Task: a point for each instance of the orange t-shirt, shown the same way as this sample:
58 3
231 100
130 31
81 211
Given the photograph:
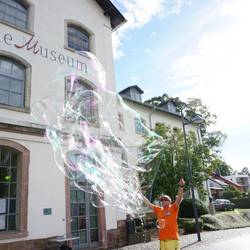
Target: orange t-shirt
167 219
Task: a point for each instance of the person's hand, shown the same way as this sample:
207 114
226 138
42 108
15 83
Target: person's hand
181 183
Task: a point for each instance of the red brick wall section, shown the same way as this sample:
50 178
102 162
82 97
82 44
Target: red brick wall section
39 244
117 237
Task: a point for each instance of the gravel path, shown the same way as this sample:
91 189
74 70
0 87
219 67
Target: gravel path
232 239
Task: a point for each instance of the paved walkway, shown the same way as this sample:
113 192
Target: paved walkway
232 239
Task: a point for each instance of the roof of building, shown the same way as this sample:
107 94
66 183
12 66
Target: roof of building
230 183
116 18
130 87
165 102
150 106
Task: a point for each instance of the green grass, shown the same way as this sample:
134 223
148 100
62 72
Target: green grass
226 220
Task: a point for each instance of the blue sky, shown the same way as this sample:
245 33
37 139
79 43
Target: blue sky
191 49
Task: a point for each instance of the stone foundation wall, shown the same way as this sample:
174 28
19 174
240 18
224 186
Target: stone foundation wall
117 237
39 244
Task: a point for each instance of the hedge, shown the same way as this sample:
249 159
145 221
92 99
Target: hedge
189 226
241 202
226 220
186 209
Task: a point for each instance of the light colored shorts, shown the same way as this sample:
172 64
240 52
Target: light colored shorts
169 245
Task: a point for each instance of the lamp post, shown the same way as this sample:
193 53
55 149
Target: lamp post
196 120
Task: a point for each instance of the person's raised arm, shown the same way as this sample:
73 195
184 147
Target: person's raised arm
179 197
147 202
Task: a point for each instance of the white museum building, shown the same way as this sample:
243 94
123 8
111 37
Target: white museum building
37 201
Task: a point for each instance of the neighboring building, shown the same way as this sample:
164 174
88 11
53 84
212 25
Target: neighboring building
149 115
241 179
217 187
37 201
217 184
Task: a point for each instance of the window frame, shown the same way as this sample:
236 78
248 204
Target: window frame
23 189
139 130
85 29
27 81
88 86
121 122
29 26
76 32
12 78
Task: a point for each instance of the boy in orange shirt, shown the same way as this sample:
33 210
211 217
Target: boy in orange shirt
167 219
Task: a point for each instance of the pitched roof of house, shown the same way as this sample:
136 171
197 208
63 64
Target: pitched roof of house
130 87
116 18
230 183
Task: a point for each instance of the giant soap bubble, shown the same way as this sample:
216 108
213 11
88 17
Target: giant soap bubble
91 131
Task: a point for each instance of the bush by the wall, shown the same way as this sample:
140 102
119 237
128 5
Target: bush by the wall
241 202
226 220
211 222
186 209
189 226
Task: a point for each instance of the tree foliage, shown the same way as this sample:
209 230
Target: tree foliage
170 164
245 170
222 168
231 193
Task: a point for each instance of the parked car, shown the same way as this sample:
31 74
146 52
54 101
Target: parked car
223 205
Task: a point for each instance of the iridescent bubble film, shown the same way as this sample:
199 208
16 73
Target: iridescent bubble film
92 133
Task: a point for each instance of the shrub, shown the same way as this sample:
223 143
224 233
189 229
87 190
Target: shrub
228 194
211 223
181 221
234 219
189 226
186 209
241 202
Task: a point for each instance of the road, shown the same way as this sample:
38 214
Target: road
232 239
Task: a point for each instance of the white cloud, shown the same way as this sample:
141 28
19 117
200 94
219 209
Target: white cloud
147 50
140 12
154 33
133 78
218 70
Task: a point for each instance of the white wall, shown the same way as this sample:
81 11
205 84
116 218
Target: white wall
50 32
46 183
46 187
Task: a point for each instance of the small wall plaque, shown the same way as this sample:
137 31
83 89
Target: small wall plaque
47 211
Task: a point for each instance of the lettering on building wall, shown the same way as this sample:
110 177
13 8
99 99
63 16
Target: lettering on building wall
32 45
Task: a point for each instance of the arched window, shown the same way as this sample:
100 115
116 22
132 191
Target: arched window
14 160
139 126
82 96
14 12
12 83
78 39
8 189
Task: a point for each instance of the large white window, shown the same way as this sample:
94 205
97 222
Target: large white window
14 164
12 81
14 12
9 181
82 96
78 38
121 121
140 126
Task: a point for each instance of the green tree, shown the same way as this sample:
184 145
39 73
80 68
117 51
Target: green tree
170 164
212 140
231 192
222 168
245 170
